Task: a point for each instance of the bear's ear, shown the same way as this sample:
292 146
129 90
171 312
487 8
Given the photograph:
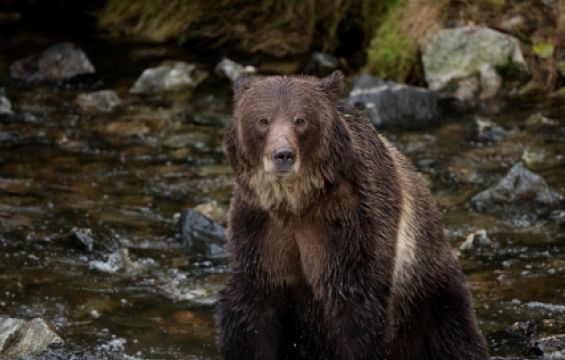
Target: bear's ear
241 84
332 85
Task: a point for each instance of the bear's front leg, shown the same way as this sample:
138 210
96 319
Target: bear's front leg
356 312
357 329
249 320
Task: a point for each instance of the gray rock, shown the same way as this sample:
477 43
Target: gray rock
541 158
8 330
233 70
467 90
20 338
202 236
455 55
59 62
5 105
520 186
394 105
120 261
538 120
550 347
102 101
476 240
213 211
490 81
82 239
321 64
169 76
486 131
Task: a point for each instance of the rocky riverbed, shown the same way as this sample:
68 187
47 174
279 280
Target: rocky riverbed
102 162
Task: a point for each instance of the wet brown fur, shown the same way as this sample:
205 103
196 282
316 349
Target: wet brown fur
315 257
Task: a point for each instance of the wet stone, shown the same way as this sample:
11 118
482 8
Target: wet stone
321 64
525 328
20 338
213 211
120 260
8 329
550 347
5 105
82 239
538 158
538 120
487 131
169 76
99 101
520 186
232 70
58 63
395 105
490 81
202 236
476 240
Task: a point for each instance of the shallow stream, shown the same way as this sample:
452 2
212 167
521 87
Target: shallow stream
128 175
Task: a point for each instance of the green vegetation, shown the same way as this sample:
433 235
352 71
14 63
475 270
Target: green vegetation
394 50
390 54
543 49
274 27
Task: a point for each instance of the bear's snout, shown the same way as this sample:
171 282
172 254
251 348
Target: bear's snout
283 159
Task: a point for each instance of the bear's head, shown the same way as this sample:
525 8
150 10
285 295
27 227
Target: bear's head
282 139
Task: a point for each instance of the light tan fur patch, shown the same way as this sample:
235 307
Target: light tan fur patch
406 234
292 192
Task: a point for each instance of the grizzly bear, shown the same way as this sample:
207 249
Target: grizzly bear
336 246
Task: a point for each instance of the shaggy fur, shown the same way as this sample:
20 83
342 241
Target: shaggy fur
344 259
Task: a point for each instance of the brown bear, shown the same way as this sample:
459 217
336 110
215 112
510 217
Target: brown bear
337 249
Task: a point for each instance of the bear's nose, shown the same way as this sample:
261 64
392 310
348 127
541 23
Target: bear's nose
283 158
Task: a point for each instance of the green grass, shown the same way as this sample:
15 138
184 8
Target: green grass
391 55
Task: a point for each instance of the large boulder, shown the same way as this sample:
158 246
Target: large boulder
202 236
19 338
389 104
468 62
519 187
58 63
169 76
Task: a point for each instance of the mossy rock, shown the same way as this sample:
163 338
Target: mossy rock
458 54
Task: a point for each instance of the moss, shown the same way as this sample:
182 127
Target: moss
393 52
390 54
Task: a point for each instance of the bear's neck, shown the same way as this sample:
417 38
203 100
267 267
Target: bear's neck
287 197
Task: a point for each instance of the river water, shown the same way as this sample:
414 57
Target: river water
128 175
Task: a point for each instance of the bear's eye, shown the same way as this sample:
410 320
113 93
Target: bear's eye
264 121
299 122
